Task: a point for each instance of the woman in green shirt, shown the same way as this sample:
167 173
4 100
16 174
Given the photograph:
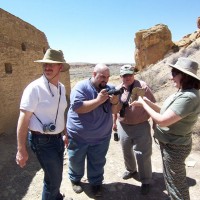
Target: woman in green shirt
175 121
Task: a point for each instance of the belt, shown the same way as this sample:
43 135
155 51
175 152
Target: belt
58 135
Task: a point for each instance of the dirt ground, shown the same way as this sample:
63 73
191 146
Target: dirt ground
26 184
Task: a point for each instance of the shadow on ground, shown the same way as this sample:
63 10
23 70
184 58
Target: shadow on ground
127 191
14 180
26 184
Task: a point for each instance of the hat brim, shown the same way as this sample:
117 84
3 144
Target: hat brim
66 66
127 72
184 71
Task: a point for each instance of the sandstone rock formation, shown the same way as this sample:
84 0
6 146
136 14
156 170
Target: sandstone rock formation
152 45
20 44
190 38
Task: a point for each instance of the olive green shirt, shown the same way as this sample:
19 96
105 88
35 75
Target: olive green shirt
186 104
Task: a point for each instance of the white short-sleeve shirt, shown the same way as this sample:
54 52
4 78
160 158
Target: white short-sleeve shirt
42 98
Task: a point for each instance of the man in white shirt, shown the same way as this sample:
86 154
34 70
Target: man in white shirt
42 109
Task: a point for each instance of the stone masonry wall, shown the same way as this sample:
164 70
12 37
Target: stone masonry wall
20 44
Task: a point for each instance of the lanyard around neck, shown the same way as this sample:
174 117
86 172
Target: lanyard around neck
57 108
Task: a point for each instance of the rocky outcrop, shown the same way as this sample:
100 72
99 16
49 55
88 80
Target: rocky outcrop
152 45
188 39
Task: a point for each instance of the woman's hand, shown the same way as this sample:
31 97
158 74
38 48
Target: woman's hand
139 102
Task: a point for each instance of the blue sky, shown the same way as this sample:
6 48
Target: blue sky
103 30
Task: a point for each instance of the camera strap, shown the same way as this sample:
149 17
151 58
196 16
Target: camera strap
125 104
38 119
56 111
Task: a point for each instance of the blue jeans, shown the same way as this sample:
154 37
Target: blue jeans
49 151
96 159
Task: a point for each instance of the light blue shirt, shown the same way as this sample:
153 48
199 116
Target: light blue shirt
94 126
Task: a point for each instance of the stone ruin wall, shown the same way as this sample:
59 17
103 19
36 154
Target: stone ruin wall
20 44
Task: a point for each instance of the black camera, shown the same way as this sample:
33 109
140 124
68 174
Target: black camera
115 91
49 127
116 137
123 109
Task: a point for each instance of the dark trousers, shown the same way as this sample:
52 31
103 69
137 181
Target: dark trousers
49 150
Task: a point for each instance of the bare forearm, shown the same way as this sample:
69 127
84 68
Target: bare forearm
22 131
116 108
152 105
152 112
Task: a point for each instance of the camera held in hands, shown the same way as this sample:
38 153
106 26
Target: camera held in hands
49 127
115 91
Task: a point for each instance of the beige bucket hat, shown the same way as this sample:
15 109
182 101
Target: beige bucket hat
54 56
187 66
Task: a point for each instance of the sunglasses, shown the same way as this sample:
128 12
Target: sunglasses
175 73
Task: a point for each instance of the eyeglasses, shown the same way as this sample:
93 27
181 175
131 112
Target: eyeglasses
175 73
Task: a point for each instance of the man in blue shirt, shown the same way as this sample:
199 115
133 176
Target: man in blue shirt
89 127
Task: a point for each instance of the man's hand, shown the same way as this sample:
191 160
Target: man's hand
22 157
65 139
114 99
102 96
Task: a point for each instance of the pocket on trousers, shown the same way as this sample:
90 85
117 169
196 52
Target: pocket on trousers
43 140
72 144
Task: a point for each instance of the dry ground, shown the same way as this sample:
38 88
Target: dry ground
26 184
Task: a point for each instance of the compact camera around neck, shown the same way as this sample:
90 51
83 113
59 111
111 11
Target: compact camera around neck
49 127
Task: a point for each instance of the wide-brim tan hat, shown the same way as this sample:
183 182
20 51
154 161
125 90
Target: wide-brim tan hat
187 66
54 56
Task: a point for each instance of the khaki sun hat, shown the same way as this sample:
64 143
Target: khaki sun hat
126 69
187 66
54 56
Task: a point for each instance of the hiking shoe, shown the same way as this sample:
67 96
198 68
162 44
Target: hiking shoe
97 190
76 186
145 188
128 175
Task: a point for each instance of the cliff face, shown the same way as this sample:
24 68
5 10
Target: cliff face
21 44
151 45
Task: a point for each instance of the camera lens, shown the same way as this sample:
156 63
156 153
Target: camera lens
52 127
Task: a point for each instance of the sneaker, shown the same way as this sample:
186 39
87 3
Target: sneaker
97 190
76 186
145 188
128 175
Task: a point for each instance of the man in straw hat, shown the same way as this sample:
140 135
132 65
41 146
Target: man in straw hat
175 121
42 110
